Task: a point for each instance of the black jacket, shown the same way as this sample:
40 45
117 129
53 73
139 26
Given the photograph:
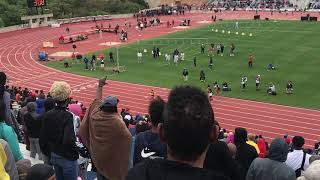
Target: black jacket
57 134
33 125
218 159
160 169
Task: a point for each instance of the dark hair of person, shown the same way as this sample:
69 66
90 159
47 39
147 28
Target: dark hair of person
141 127
2 111
3 79
240 136
188 122
155 110
111 109
297 142
49 104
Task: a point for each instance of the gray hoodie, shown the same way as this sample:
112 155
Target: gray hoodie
273 167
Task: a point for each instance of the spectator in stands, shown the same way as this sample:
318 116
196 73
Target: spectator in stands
57 136
251 142
49 104
245 152
298 160
41 172
33 125
312 173
8 134
10 166
5 97
273 167
148 143
40 103
105 135
220 159
262 146
188 129
3 160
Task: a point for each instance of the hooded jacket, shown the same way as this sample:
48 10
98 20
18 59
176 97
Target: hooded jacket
273 167
147 145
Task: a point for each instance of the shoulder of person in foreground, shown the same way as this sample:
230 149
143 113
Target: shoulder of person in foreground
158 169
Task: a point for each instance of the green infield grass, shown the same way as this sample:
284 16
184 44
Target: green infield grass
291 46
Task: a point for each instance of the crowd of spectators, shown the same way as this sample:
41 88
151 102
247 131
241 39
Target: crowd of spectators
177 139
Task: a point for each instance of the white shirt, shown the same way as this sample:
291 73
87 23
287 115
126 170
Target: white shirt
139 54
294 160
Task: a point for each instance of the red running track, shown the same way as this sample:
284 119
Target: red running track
18 58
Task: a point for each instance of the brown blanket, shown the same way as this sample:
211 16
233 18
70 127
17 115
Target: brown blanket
108 141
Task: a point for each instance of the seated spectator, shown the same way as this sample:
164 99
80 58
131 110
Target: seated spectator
10 166
225 87
251 142
273 167
57 135
245 152
272 89
41 172
298 160
106 136
33 125
148 144
187 129
3 160
289 88
312 173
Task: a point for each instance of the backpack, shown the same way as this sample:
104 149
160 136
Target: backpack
298 171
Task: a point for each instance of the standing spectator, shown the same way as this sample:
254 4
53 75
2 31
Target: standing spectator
5 97
49 104
219 159
8 134
245 152
222 49
40 103
33 125
188 114
148 144
57 135
298 160
273 167
106 136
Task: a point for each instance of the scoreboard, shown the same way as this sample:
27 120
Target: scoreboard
36 3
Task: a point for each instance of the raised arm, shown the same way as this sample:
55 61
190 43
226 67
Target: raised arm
101 83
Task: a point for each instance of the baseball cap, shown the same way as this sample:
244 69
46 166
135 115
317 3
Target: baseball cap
110 101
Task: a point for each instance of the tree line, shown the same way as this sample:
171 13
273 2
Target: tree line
12 10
